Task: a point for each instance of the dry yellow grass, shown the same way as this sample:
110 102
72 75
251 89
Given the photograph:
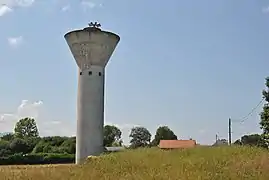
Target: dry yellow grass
203 163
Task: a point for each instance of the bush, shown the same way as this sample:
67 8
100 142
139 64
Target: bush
59 158
23 159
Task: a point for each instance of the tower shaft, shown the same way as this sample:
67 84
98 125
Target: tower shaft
91 48
90 113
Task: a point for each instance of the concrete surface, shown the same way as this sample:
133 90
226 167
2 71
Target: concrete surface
91 49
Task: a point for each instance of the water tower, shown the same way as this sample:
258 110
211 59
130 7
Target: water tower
91 48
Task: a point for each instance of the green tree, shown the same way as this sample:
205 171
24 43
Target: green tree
54 140
251 140
55 144
69 145
163 133
32 142
39 147
4 148
238 142
140 137
4 144
264 123
19 146
112 135
26 128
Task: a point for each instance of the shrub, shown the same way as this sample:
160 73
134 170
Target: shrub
20 159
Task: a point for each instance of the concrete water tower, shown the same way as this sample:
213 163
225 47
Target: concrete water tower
91 48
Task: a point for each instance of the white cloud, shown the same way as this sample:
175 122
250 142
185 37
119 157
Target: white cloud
57 128
28 109
202 131
5 117
33 110
122 126
25 109
4 10
48 127
15 41
66 8
17 3
23 3
88 4
55 122
265 9
7 6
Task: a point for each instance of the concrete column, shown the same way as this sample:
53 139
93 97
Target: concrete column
90 113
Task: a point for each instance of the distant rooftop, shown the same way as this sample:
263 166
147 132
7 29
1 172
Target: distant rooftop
177 144
114 149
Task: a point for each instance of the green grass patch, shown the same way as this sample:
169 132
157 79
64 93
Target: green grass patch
201 163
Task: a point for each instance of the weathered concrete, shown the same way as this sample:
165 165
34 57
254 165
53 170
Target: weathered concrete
91 49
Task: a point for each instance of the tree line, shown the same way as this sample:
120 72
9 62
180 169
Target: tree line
25 140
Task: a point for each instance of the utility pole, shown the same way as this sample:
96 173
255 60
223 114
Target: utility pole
230 131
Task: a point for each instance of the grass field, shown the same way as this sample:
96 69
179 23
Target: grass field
203 163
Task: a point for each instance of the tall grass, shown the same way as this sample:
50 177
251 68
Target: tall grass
214 163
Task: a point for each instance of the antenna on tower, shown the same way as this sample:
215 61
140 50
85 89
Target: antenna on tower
94 25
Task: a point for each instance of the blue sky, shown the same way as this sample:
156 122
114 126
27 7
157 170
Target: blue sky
187 64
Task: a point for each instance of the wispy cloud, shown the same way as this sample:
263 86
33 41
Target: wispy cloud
7 6
16 3
23 3
4 10
202 131
57 128
34 110
25 109
265 9
15 41
122 126
48 127
66 8
88 4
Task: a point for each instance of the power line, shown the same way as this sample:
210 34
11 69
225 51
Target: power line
244 118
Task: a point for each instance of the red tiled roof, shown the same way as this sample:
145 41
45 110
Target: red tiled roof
177 144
